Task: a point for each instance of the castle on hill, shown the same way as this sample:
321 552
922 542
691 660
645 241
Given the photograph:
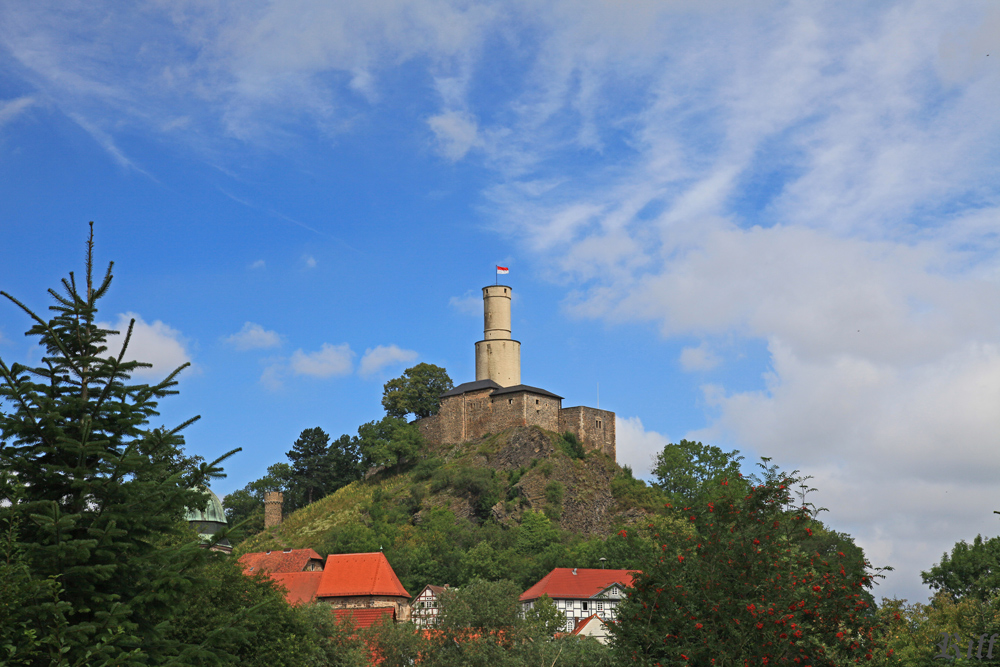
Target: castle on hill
497 400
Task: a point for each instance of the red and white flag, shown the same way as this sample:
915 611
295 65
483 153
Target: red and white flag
502 269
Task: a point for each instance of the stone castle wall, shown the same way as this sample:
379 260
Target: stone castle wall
594 428
474 414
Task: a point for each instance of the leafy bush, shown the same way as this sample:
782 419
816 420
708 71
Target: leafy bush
425 468
571 446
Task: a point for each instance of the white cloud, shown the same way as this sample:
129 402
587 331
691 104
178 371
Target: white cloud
377 358
254 337
328 361
259 264
310 261
11 109
456 133
700 358
469 304
635 446
156 343
273 376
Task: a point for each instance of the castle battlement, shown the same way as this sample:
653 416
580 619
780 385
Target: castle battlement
497 400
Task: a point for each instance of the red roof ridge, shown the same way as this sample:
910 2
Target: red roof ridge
577 583
288 560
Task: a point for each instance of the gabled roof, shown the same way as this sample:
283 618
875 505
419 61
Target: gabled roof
435 590
300 587
359 574
583 623
289 560
367 616
525 388
585 584
471 386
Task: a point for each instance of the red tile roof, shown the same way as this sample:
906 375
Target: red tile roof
586 583
291 560
366 617
299 587
359 574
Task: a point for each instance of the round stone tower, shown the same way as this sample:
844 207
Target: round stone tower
498 357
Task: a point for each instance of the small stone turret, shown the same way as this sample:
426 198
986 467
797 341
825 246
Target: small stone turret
272 508
498 357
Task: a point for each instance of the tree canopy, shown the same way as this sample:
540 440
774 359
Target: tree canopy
684 469
417 391
972 570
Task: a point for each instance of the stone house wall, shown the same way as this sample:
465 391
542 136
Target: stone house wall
400 605
594 428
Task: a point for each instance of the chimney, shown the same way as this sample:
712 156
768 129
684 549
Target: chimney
272 508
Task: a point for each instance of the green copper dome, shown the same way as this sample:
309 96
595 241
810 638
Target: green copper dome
214 513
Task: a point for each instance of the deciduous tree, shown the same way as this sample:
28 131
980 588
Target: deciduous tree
417 391
741 588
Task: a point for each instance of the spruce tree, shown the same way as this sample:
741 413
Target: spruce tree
95 498
310 464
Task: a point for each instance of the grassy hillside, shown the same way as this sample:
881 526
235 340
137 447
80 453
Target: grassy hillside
510 505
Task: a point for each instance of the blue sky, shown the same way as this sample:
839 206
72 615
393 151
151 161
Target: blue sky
771 228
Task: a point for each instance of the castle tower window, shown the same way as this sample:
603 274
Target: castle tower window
510 401
598 423
536 401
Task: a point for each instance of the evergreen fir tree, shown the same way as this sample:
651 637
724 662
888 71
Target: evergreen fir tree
95 497
310 464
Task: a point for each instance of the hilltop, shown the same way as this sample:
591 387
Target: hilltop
511 504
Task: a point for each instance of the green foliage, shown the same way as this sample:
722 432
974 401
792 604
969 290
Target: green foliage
318 469
972 570
483 605
546 616
390 443
914 631
571 446
417 392
310 465
685 470
249 618
742 588
102 562
632 492
554 492
425 468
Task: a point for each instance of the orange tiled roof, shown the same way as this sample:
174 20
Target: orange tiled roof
366 617
290 560
359 574
586 583
299 587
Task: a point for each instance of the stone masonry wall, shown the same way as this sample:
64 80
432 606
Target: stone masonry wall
474 414
401 605
594 428
524 409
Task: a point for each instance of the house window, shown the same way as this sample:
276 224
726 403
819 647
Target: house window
585 606
600 606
